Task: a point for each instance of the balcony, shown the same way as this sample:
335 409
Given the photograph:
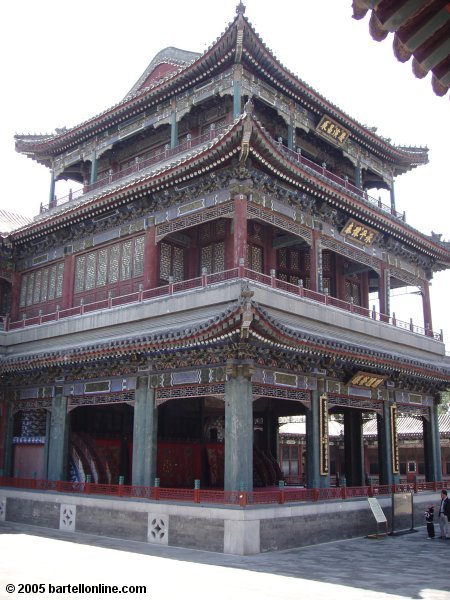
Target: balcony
208 282
161 156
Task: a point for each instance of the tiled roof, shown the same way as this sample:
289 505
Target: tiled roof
10 221
406 427
421 31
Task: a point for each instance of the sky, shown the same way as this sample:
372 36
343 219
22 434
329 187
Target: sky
66 62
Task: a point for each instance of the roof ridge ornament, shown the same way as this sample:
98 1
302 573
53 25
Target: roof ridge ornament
247 312
247 131
240 8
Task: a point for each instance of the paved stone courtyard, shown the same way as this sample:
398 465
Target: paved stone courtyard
392 567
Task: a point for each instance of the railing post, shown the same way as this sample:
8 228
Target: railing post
241 268
155 489
394 319
243 499
141 292
281 492
120 487
82 306
301 291
197 491
272 278
87 485
204 276
411 326
170 285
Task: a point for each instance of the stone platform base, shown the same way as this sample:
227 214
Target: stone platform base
232 530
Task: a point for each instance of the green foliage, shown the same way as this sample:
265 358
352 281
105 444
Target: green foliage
444 406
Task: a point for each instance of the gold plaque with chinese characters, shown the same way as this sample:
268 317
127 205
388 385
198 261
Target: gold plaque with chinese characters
368 380
332 131
358 232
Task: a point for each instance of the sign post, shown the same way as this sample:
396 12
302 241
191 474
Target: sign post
402 513
379 515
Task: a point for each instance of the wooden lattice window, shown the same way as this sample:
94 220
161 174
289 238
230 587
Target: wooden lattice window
41 285
293 265
171 262
118 262
213 257
255 258
353 291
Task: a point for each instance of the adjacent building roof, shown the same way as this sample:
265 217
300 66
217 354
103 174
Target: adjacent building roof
406 427
421 30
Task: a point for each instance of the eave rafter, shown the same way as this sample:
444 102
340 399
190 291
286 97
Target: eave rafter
265 151
215 332
242 325
212 156
269 332
257 55
247 137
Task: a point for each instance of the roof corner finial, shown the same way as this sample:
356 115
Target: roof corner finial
240 8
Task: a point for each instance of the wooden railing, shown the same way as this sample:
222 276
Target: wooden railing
204 281
165 153
160 155
280 495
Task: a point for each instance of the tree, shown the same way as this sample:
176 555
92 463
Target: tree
444 406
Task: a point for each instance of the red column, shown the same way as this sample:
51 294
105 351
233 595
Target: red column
364 279
240 229
340 279
15 295
150 258
382 292
313 260
193 257
270 254
426 305
68 281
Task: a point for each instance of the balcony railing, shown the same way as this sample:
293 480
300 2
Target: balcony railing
161 155
164 154
361 194
213 279
281 495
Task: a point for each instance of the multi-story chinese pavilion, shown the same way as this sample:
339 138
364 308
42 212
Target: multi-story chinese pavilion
222 265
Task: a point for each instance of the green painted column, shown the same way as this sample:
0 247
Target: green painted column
291 136
353 447
314 478
93 167
47 442
358 176
392 194
432 446
59 438
173 130
238 434
6 468
145 434
51 195
385 445
237 91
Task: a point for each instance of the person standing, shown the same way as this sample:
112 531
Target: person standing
444 515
